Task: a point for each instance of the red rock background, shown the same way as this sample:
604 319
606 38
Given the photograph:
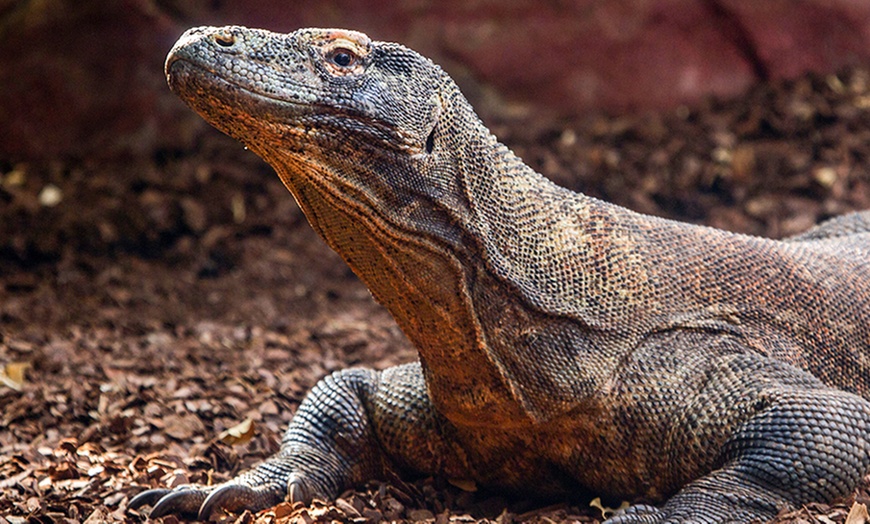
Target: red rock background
84 77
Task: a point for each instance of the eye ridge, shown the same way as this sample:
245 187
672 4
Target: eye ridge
343 57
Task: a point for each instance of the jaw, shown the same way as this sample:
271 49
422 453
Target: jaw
249 117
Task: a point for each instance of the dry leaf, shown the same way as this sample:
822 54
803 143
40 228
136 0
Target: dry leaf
12 374
464 484
182 427
605 511
283 509
238 434
858 514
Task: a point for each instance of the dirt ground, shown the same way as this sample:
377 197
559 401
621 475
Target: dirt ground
159 301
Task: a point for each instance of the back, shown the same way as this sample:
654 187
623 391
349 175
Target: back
804 300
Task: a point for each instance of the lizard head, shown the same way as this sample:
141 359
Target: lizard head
333 85
373 121
326 103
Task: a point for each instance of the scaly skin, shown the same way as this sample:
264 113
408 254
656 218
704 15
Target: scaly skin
565 343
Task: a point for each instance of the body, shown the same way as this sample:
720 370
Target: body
595 347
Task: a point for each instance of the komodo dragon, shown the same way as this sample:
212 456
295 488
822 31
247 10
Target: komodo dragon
566 345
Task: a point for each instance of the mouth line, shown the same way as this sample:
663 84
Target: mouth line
301 109
221 78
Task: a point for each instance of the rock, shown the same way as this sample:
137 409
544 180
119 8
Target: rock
103 58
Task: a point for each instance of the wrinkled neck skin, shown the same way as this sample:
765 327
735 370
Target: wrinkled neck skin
417 228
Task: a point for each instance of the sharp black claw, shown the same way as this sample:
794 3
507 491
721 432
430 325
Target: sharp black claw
231 497
184 502
296 490
147 498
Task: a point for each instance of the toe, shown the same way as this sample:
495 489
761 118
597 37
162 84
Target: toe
147 498
297 491
230 497
185 502
236 498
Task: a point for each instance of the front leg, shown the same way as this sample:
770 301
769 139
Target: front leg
353 426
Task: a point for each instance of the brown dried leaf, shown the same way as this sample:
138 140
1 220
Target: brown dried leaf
98 515
269 408
347 508
464 484
283 509
420 514
182 427
238 434
63 471
858 514
605 511
12 374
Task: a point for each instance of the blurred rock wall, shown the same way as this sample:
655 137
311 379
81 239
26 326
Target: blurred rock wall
84 77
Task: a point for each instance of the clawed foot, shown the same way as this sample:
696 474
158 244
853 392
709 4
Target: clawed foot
200 502
328 447
185 501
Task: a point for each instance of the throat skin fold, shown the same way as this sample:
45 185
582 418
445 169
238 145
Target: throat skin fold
425 288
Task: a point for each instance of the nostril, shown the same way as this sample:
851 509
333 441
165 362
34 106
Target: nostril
225 40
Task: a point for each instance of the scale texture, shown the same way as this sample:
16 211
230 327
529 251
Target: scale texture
566 345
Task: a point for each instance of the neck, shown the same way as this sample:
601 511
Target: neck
421 278
492 222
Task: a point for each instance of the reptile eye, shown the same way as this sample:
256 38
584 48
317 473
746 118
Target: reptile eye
225 40
343 57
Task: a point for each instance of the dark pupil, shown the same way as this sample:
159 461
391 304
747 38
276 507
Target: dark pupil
343 59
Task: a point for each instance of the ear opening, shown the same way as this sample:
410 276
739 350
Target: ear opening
430 141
